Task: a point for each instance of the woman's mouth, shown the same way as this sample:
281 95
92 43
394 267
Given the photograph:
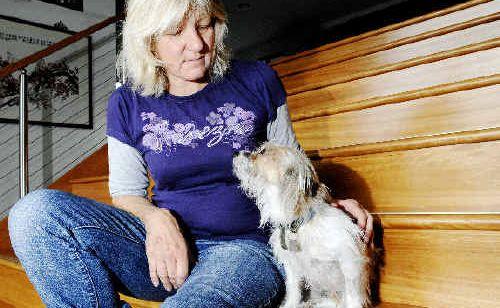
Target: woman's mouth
195 60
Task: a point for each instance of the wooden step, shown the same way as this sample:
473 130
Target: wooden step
395 305
95 188
441 260
431 260
409 31
16 286
5 246
17 291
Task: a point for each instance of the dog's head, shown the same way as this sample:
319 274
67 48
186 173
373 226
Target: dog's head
281 179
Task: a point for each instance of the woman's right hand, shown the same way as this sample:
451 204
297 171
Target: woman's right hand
166 249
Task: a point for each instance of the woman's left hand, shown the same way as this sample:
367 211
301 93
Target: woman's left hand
363 218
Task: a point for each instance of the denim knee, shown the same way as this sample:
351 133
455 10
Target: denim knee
30 213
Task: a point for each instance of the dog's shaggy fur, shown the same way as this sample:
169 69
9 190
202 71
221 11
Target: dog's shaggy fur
320 247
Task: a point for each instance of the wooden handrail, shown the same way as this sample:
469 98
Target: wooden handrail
11 68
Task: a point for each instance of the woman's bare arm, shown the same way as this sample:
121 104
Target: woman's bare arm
166 249
136 205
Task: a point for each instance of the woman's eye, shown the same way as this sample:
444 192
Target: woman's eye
204 27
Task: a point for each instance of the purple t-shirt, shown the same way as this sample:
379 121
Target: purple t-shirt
187 143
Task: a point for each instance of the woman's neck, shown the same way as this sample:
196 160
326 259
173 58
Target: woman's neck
184 88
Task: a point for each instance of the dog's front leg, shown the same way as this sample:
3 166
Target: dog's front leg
293 292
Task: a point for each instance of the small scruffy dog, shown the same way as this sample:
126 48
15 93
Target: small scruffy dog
322 250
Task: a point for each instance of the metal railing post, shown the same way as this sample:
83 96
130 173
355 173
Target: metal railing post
23 135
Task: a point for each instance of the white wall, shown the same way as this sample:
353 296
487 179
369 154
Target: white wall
54 151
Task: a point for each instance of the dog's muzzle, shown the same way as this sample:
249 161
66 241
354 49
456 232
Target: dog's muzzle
244 153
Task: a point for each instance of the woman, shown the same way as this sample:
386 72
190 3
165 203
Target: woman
184 109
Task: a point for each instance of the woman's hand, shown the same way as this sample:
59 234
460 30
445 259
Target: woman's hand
363 218
166 249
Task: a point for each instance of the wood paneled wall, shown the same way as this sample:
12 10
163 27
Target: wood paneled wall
406 119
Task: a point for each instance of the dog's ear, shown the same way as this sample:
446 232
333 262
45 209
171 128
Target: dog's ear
311 182
312 189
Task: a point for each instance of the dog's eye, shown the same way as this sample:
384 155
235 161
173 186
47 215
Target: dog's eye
262 151
290 172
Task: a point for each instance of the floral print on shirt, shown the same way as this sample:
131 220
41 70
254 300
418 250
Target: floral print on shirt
229 124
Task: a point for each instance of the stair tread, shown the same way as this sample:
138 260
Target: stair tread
90 179
14 263
10 262
397 305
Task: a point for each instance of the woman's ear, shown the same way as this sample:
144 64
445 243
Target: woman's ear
152 46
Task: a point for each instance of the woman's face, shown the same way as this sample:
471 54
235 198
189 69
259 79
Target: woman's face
188 53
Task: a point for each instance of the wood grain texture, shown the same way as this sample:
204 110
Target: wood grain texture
473 221
383 40
414 143
94 188
429 50
395 305
457 111
350 40
441 268
326 100
454 178
17 290
5 245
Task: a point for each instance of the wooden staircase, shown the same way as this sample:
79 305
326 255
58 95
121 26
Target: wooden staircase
17 290
406 120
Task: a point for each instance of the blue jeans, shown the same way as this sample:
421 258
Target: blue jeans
79 252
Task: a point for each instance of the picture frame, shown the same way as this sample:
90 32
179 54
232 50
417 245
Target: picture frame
59 88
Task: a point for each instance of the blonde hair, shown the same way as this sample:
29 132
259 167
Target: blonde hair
146 20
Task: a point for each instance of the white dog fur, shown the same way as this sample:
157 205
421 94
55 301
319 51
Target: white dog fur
319 245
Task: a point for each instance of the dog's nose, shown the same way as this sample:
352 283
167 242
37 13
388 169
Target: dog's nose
244 153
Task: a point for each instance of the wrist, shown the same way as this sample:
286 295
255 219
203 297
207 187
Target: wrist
147 212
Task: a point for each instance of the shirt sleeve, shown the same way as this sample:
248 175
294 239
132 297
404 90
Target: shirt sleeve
279 125
271 88
118 118
127 170
280 130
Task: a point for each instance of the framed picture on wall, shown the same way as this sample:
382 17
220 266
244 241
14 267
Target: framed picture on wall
59 88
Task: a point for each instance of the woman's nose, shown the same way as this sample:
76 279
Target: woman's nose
194 41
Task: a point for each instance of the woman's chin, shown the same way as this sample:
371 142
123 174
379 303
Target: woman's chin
196 74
